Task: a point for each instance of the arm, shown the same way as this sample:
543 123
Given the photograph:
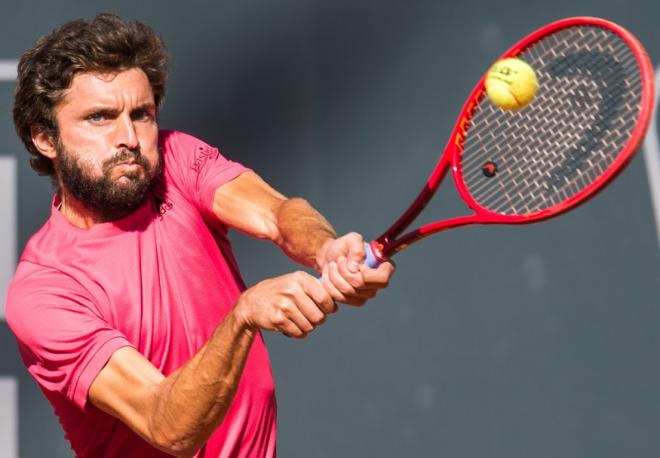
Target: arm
250 205
178 413
175 414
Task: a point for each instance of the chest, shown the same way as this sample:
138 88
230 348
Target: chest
165 287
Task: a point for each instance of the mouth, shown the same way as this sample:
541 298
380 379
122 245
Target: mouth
127 164
128 170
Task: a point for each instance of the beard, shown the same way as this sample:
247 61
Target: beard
109 198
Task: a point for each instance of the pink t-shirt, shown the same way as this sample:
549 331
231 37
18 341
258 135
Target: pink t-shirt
159 280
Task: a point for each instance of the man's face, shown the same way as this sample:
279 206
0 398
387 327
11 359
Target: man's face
107 150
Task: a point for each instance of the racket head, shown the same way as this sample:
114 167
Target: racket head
589 116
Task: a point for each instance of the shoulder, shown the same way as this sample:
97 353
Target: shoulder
184 154
49 244
174 141
38 293
195 168
33 280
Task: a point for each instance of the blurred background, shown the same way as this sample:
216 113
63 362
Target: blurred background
504 342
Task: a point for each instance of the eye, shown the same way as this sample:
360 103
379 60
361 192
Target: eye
142 115
96 117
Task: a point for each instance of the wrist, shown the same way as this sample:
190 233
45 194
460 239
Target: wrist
321 254
239 320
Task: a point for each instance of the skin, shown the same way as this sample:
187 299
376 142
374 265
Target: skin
100 115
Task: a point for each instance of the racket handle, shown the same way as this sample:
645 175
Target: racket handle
370 258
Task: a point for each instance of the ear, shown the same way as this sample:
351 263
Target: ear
43 141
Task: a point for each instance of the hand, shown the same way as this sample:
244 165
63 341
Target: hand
293 304
344 274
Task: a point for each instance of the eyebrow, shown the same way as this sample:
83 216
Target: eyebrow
149 106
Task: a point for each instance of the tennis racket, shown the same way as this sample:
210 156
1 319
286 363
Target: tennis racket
590 114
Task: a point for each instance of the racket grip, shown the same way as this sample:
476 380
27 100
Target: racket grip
370 258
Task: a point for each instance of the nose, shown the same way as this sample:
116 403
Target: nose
126 135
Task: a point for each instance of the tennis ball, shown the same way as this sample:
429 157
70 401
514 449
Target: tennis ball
511 83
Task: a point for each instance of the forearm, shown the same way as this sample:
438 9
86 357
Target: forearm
191 403
303 232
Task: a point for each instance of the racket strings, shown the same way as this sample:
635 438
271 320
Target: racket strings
525 181
548 135
583 115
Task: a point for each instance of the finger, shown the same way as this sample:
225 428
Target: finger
351 296
317 295
322 298
355 245
311 310
361 296
290 329
332 290
293 315
355 301
339 281
358 299
366 293
285 325
355 279
378 277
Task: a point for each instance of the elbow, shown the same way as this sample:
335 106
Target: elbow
268 225
181 448
177 443
268 230
184 453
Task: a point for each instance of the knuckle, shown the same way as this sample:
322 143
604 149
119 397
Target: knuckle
300 276
317 319
296 332
320 294
356 281
354 235
291 287
279 319
347 290
338 296
284 308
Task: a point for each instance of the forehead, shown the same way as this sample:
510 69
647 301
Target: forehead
128 86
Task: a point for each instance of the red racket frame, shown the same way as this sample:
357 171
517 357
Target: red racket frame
388 244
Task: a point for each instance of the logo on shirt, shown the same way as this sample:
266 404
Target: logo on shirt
203 155
163 206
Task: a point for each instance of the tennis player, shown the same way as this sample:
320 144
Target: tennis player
128 306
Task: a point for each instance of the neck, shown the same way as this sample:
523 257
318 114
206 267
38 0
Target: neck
76 213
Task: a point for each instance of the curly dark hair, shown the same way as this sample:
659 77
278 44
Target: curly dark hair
106 43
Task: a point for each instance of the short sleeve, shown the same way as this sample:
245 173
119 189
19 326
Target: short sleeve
195 168
63 340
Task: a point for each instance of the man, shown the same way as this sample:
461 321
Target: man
128 306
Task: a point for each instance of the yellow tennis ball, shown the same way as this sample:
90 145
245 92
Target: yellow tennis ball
511 83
